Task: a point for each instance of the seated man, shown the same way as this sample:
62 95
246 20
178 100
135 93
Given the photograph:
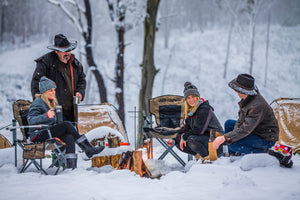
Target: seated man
256 129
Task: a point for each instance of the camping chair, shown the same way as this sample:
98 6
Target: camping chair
34 151
287 113
168 111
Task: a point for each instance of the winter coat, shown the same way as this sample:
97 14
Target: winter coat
38 115
50 66
201 122
255 117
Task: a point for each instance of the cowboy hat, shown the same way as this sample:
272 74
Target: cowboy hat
244 84
61 43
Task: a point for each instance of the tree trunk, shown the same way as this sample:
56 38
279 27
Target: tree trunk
120 73
148 68
267 48
228 47
252 49
89 53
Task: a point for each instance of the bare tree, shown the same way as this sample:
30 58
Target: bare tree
267 48
148 68
86 32
118 17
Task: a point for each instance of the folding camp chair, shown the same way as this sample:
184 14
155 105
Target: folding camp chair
34 151
287 113
168 111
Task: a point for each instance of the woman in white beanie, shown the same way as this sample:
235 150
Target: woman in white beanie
42 111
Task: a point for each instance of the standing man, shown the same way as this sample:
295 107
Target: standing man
256 129
65 70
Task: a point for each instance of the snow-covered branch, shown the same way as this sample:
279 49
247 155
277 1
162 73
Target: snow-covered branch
75 21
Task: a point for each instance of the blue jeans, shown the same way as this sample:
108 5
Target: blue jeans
250 144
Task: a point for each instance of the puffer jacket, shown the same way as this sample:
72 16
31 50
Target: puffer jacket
38 115
255 117
49 65
201 122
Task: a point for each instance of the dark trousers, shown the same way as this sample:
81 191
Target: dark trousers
64 131
68 115
250 144
198 144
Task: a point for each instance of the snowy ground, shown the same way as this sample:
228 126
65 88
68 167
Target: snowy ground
196 57
251 177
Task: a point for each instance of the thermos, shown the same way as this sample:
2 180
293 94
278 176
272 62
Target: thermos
59 113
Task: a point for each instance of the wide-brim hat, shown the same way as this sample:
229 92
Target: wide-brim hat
244 84
61 43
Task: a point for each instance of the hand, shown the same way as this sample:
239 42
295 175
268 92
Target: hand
51 113
218 141
79 95
169 142
182 144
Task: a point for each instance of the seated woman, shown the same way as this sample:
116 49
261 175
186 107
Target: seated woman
199 120
42 111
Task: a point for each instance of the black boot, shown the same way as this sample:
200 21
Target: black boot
71 160
86 146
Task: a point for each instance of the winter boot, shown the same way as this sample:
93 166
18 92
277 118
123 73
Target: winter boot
71 160
86 146
283 153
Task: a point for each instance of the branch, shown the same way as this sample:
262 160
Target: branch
78 26
111 10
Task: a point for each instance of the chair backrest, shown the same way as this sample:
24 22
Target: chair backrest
21 108
288 116
168 110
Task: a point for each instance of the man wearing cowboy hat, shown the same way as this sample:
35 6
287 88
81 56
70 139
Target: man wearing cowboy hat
65 70
257 129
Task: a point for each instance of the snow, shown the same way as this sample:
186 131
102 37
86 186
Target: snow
197 57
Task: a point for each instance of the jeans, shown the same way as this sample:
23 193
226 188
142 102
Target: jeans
250 144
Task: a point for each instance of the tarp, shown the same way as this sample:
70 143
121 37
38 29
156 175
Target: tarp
4 143
287 112
101 115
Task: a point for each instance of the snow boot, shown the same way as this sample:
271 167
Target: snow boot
283 153
86 146
71 160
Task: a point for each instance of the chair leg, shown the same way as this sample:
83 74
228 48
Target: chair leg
169 149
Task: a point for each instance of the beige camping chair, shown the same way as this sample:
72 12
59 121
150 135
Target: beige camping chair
168 111
33 151
287 112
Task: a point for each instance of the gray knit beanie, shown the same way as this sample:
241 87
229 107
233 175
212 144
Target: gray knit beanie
190 89
46 84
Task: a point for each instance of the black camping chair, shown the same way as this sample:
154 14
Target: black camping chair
168 111
34 151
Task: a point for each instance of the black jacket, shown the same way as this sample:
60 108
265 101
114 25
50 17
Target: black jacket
201 122
49 65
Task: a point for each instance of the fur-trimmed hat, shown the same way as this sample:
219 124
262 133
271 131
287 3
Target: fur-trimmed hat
190 89
46 84
244 84
61 43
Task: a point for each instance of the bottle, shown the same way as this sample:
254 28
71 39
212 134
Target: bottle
59 113
211 151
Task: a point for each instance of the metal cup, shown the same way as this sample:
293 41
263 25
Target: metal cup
76 100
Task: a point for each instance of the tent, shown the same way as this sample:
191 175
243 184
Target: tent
287 112
101 115
4 143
